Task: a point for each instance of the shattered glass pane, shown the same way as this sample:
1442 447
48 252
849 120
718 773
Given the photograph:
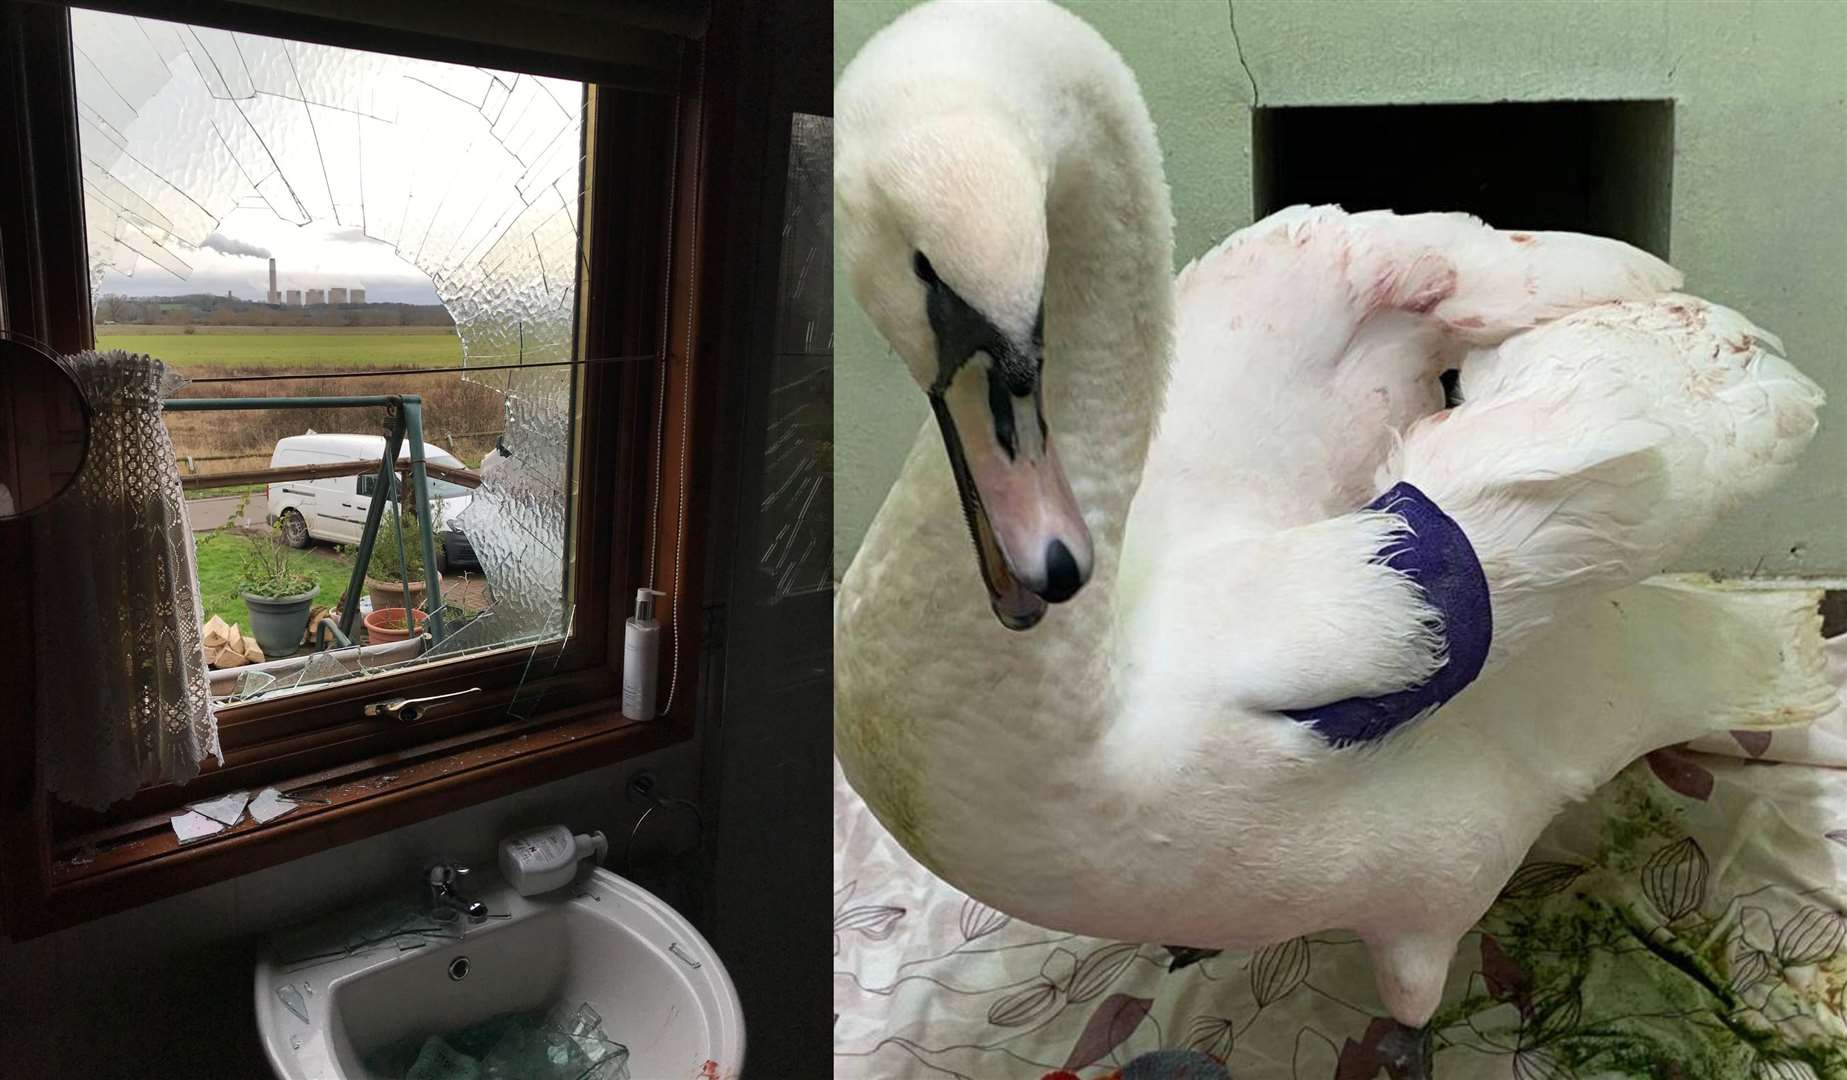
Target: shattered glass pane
470 176
516 519
481 632
252 684
526 701
795 535
319 667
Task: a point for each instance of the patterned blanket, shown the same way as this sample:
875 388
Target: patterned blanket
1686 923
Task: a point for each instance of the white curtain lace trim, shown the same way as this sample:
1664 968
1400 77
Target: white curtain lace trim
123 698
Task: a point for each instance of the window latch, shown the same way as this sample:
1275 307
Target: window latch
409 709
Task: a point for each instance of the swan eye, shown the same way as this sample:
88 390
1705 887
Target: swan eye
925 272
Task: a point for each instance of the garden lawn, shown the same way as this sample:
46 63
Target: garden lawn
221 565
337 348
239 489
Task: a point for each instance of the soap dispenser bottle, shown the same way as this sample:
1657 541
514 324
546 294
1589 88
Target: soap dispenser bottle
641 657
541 860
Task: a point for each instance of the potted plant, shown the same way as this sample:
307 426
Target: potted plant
385 574
387 624
277 593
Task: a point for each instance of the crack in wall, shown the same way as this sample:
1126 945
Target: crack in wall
1231 12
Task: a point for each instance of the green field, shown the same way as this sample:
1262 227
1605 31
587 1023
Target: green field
221 564
338 348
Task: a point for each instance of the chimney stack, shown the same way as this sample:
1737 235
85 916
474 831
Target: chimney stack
274 296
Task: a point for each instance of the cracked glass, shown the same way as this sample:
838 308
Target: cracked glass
376 225
795 524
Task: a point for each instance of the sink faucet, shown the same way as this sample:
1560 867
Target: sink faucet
441 895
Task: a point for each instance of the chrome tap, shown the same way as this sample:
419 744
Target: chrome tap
441 894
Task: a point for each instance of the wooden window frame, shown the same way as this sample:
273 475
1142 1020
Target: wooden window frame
643 274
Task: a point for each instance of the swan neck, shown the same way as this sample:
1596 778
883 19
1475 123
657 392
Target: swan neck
1108 305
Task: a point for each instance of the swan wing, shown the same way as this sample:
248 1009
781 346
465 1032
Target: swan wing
1591 451
1307 341
1481 283
1607 423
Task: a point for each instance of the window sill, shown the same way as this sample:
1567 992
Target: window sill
111 870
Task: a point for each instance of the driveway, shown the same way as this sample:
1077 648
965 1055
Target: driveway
215 512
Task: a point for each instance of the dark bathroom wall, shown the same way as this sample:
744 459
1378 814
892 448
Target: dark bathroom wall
766 762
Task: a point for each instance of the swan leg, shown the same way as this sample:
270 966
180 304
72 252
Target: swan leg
1410 971
1406 1053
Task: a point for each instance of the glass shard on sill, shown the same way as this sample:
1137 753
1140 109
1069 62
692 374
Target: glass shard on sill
226 809
269 805
320 667
204 819
194 826
251 684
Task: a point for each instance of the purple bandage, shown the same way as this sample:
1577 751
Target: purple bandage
1438 557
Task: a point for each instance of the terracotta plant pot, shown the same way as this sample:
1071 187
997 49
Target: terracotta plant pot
387 624
390 594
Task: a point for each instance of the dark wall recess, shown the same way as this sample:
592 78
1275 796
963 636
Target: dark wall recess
1601 167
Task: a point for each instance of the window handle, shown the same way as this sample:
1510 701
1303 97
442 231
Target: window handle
408 709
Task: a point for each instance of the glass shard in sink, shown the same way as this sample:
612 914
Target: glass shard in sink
389 925
597 981
563 1043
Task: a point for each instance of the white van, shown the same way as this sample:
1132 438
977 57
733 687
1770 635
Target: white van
334 508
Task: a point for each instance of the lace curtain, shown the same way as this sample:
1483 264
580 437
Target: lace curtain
122 693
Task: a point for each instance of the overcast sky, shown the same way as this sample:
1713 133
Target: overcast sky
313 256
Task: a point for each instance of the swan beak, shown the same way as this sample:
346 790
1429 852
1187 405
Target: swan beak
1030 538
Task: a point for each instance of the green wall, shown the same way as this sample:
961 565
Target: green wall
1759 216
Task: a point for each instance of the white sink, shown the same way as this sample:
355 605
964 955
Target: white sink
324 1003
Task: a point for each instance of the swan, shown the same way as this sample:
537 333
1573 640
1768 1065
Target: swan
1259 639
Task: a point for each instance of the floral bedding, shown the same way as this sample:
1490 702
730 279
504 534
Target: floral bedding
1685 923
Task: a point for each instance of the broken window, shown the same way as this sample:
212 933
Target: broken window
384 175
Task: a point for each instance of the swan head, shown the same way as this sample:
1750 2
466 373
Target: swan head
942 232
